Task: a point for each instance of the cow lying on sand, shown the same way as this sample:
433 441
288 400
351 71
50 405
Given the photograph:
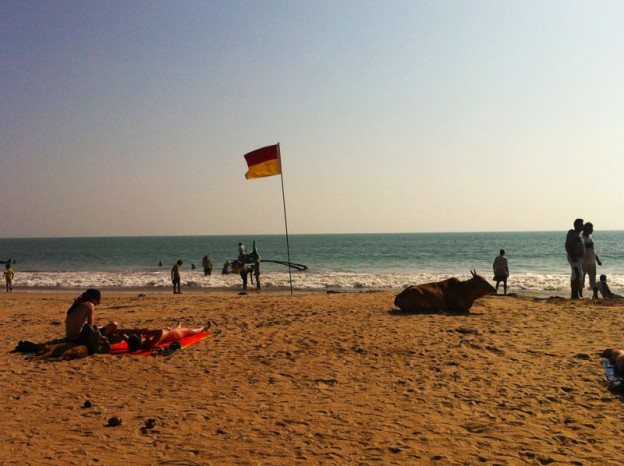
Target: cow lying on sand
449 295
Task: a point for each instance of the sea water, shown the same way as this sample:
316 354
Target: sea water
537 260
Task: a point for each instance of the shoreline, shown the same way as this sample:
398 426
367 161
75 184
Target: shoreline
252 291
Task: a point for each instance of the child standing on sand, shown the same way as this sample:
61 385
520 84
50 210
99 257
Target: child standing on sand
8 276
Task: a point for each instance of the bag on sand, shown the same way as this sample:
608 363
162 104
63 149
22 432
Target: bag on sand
93 339
27 347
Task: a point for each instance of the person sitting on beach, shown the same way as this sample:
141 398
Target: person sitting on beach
603 289
145 339
615 357
79 323
81 312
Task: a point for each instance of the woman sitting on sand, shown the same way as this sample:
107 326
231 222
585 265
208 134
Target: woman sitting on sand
81 312
145 339
79 323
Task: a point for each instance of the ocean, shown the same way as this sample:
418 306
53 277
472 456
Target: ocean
346 262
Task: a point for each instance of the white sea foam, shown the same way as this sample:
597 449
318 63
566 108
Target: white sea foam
529 283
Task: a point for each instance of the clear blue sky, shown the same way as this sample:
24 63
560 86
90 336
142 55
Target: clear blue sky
132 117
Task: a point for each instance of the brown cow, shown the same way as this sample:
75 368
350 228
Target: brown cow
449 295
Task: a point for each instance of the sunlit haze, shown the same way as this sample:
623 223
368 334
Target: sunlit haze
132 117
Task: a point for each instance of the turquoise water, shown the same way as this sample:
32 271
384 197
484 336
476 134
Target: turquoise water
536 259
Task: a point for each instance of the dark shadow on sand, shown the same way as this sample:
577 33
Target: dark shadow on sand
399 312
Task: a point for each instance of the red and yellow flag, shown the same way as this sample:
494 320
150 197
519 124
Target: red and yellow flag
263 162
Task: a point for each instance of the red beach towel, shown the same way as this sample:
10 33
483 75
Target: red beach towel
122 348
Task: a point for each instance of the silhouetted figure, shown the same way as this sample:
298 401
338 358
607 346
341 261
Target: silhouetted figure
575 251
175 277
207 265
501 270
590 259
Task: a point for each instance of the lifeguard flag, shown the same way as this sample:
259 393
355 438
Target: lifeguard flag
263 162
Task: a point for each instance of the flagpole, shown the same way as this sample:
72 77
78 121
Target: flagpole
279 157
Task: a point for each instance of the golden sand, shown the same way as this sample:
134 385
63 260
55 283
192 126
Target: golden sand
319 379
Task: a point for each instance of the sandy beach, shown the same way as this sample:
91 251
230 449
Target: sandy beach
318 379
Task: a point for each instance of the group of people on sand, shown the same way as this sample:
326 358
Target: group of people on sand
80 328
583 260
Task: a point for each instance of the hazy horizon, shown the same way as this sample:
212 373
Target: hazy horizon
124 118
259 235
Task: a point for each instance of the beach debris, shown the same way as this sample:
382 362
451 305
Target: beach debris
115 421
494 349
87 404
150 423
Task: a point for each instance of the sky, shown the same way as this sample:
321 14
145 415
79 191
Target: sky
131 118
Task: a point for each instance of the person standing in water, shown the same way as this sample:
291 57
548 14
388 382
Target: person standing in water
207 264
575 251
242 253
175 277
8 276
501 270
256 272
590 259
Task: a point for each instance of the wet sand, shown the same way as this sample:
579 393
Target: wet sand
338 378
